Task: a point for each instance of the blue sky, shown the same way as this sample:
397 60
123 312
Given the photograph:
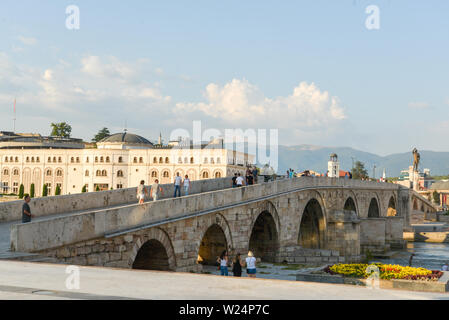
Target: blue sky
309 68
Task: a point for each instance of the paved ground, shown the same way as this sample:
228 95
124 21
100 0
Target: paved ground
21 280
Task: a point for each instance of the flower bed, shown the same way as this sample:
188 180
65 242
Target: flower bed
386 271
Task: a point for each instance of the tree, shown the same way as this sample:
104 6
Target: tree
103 133
58 190
97 188
32 190
359 171
436 197
21 191
84 189
61 129
44 190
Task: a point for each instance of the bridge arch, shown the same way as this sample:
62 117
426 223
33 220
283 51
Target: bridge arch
391 211
264 235
153 251
373 209
312 226
350 205
215 238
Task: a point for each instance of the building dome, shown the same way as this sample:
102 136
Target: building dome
124 140
126 137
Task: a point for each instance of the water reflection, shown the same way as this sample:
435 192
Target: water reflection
427 255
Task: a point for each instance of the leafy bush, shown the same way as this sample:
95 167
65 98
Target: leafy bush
21 191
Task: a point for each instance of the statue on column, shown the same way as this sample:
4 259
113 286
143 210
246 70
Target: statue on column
416 159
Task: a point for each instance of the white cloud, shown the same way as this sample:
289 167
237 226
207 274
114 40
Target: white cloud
242 103
28 41
418 105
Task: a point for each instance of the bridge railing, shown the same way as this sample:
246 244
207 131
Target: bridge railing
97 223
47 206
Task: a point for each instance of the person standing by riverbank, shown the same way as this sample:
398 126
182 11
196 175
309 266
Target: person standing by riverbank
223 261
237 266
251 265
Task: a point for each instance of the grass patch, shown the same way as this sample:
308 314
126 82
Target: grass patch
262 267
262 272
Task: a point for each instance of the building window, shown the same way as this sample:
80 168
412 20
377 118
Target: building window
205 160
59 159
179 160
32 159
119 186
6 159
218 160
15 187
101 159
167 160
205 175
217 175
161 160
192 161
98 173
86 173
154 174
87 160
135 160
59 173
166 174
96 159
140 160
5 187
154 160
17 159
49 188
104 173
72 160
48 173
6 172
120 159
49 160
120 173
38 160
77 160
212 160
186 160
28 159
108 160
15 172
87 187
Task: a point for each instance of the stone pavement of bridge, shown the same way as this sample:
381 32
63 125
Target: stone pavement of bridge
23 280
5 252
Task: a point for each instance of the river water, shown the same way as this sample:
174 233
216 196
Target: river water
427 255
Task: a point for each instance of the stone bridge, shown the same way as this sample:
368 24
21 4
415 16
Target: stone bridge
302 220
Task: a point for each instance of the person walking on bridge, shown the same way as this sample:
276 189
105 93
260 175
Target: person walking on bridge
141 192
26 210
186 185
178 181
155 189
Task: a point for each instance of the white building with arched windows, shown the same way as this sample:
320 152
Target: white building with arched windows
121 160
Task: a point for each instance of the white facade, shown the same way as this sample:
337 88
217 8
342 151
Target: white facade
112 168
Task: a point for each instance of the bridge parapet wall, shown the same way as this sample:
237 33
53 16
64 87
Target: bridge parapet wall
60 231
47 206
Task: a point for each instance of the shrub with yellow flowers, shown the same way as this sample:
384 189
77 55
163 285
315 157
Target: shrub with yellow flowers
386 271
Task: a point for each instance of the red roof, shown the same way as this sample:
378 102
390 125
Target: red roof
343 174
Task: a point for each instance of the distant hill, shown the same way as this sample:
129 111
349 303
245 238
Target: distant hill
305 157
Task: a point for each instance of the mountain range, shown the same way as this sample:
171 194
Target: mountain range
309 157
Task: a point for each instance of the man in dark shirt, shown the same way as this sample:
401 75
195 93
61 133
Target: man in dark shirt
26 210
